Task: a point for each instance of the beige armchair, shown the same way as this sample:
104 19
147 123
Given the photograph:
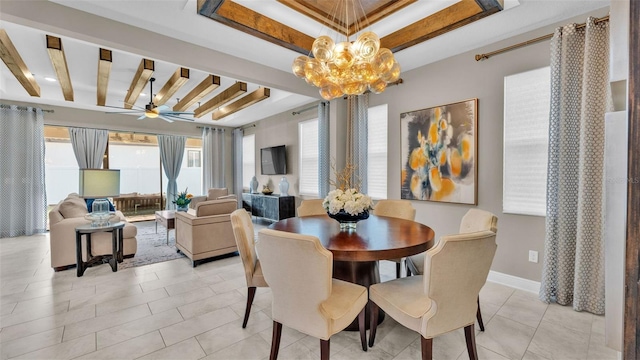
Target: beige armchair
212 194
311 207
305 297
444 298
63 220
473 220
244 235
397 209
206 231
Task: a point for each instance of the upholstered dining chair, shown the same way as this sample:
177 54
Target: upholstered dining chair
473 220
444 298
305 296
311 207
398 209
243 232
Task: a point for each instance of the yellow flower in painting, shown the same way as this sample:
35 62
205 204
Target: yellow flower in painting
448 186
438 113
443 124
416 186
435 178
455 163
466 147
403 176
417 159
433 133
443 157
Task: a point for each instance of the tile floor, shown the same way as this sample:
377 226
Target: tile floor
170 310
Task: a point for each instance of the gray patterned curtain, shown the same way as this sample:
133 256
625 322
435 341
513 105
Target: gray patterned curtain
22 182
573 268
171 154
357 116
212 159
237 164
89 146
324 163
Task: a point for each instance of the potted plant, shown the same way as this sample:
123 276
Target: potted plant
182 200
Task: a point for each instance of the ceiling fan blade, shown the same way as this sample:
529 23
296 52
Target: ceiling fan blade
162 108
142 117
180 112
123 112
165 118
176 117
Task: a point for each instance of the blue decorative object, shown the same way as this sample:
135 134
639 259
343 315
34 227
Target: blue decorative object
284 187
90 205
182 207
348 221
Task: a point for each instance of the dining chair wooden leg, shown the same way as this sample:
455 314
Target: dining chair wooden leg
407 267
324 349
427 348
470 336
373 322
363 329
398 268
251 293
479 316
275 340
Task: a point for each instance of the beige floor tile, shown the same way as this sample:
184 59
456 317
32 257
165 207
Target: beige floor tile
295 351
598 350
163 282
47 323
449 345
54 298
411 352
66 350
209 304
175 301
287 337
131 349
101 298
129 301
254 347
230 333
339 342
81 328
179 288
136 328
31 343
532 356
229 285
484 354
569 318
558 342
186 350
494 293
524 308
38 312
197 325
488 311
120 284
506 337
6 309
396 340
355 352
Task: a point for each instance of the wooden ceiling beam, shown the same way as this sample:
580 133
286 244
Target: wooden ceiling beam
244 102
227 95
139 81
205 87
104 70
175 82
59 62
16 65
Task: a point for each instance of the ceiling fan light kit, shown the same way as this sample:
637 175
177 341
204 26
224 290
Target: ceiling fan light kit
341 68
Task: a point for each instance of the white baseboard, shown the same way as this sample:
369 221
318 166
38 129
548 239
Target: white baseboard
514 281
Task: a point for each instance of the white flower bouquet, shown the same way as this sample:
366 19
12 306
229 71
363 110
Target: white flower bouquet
351 201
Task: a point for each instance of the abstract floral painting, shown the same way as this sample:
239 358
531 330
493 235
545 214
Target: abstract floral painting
439 153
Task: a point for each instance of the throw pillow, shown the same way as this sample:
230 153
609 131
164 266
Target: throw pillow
72 208
90 205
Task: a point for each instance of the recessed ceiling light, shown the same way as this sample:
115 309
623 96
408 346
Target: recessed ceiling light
49 79
143 94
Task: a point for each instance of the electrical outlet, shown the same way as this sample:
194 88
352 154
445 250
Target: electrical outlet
533 256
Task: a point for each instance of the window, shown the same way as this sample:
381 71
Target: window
193 158
248 159
526 126
377 152
308 140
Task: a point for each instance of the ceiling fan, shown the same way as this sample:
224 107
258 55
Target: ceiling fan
152 111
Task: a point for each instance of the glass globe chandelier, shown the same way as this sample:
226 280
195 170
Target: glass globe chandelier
341 68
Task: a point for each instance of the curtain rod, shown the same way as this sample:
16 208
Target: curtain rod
479 57
25 108
209 127
304 110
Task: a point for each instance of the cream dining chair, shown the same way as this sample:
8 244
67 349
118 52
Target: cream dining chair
243 232
305 297
473 220
311 207
397 209
444 298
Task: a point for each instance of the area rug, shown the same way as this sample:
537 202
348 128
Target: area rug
152 246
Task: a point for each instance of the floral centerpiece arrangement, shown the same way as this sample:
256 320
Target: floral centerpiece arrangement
182 200
346 203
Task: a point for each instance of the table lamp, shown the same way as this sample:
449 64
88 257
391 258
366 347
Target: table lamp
99 184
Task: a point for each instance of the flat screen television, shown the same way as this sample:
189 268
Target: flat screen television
273 160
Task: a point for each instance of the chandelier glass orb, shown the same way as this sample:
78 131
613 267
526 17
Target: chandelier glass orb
347 68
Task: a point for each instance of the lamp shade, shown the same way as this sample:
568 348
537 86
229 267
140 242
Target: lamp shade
99 183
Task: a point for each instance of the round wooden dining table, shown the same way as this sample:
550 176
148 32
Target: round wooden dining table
356 252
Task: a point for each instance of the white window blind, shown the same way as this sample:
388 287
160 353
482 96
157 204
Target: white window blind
308 140
526 131
377 152
248 159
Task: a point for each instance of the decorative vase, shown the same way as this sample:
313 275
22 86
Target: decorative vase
284 187
253 184
182 207
347 221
